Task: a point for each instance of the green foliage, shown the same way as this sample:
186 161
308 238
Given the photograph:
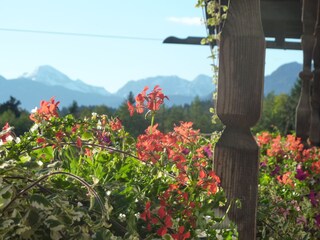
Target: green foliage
87 178
11 112
278 112
289 203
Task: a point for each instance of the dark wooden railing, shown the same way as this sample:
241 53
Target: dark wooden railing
240 89
308 109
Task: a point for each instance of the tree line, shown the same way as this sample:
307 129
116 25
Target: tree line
278 114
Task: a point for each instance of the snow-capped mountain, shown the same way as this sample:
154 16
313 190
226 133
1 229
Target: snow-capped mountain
46 82
52 77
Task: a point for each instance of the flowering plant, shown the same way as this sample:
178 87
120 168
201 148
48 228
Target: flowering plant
87 178
289 188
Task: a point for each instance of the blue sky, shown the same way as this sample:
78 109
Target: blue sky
108 62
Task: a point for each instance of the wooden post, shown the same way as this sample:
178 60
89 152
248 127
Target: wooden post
239 100
315 96
303 111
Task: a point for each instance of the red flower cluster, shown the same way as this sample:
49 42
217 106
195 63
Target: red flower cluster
151 101
160 218
290 164
179 149
115 124
264 138
46 111
154 144
276 147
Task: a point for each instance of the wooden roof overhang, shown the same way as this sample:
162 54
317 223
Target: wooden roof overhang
281 21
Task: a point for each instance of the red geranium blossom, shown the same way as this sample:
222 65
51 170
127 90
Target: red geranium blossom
46 111
151 101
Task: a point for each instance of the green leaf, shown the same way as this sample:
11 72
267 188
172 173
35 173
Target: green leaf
87 136
40 202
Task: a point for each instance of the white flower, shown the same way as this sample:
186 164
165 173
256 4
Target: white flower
9 138
94 115
34 127
34 110
40 163
108 193
122 217
99 124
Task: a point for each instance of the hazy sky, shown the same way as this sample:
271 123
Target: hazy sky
131 49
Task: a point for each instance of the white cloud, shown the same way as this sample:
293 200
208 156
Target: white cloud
192 21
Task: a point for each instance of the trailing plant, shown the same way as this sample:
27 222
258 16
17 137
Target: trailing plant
289 189
215 13
87 178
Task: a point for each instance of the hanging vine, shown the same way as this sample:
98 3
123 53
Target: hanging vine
214 13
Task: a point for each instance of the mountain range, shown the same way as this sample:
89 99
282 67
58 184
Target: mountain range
46 81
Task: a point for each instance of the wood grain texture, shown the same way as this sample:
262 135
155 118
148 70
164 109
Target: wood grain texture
236 162
240 88
303 111
241 65
315 96
305 116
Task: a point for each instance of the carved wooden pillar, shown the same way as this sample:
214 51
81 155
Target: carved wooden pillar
315 96
303 111
240 89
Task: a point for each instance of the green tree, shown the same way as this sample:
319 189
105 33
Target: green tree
13 105
74 109
278 113
135 124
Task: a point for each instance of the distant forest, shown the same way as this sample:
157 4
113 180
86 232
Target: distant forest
278 114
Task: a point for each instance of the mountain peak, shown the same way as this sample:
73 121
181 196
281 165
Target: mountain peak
47 75
282 79
50 76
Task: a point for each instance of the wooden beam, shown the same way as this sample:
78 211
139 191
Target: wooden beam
240 91
269 44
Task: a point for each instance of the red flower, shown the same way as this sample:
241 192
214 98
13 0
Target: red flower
162 231
46 111
40 140
152 101
186 133
79 142
293 143
285 179
162 212
316 167
88 152
149 144
116 124
276 148
181 235
155 99
264 138
59 135
168 221
130 108
146 214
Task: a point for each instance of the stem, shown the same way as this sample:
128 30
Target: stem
152 121
83 182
